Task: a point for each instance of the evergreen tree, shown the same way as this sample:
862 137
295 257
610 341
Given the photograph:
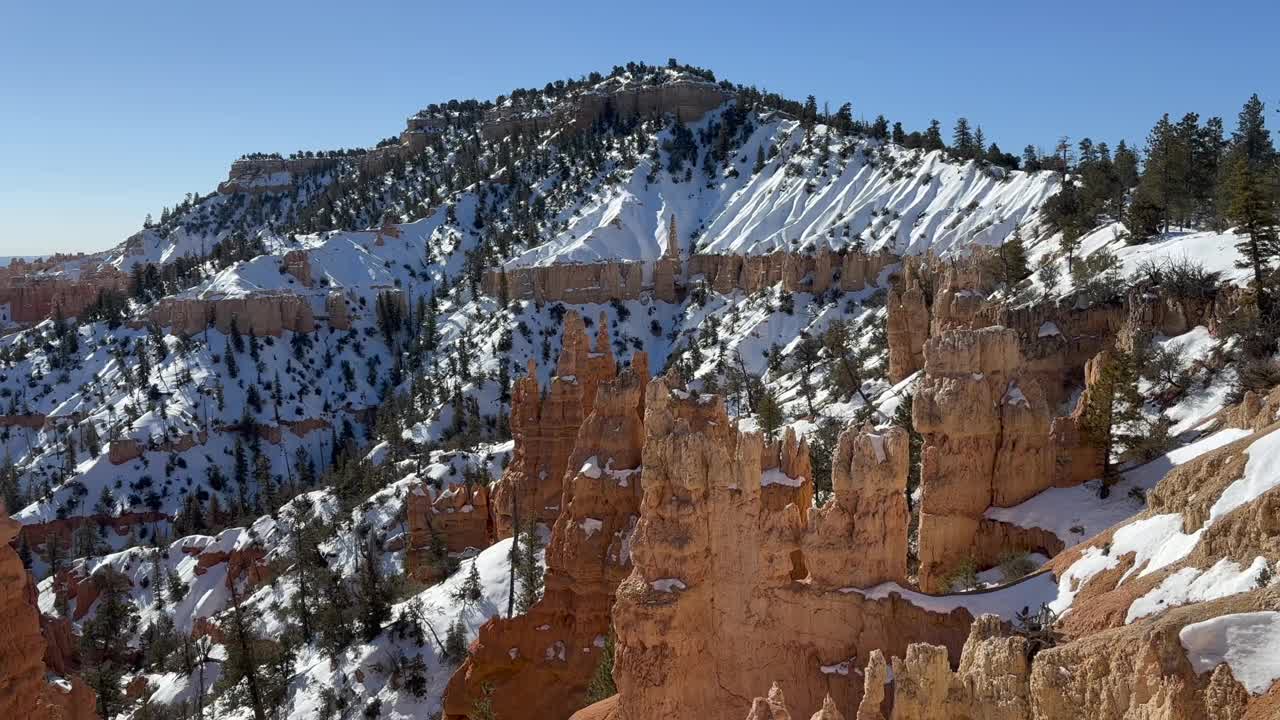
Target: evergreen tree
471 590
1253 210
601 685
107 657
770 412
455 641
529 571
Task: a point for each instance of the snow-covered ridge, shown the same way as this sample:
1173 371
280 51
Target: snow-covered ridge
826 191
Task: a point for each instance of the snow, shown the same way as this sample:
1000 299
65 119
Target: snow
775 476
1063 510
591 526
667 585
1261 473
840 668
591 468
1246 642
1190 585
1005 601
1048 329
1014 396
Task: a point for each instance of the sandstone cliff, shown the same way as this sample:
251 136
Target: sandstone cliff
986 433
545 428
539 663
26 690
725 597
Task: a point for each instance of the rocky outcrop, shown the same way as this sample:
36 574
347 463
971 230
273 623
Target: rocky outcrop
31 292
868 511
1078 457
724 599
568 282
255 314
545 427
986 442
686 99
457 519
906 326
625 280
298 264
539 664
797 272
26 688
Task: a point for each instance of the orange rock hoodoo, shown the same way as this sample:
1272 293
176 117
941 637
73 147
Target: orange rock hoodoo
986 433
26 691
737 582
539 663
545 427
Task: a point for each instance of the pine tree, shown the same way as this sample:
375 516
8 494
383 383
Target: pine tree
471 590
770 412
455 641
1253 210
107 658
601 685
529 570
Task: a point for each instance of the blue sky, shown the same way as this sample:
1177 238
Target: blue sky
109 111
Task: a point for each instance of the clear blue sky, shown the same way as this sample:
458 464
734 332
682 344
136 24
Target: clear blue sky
109 111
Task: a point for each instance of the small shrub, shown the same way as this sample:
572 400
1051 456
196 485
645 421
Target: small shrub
964 577
1016 565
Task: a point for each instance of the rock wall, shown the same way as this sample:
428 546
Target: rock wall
568 282
257 314
729 590
35 292
262 175
687 99
545 427
458 518
1134 671
539 664
798 272
625 280
26 690
986 432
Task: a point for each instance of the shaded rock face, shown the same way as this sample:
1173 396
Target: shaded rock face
797 272
1078 458
725 597
622 280
540 663
545 427
459 518
868 511
259 314
687 99
906 327
25 689
986 433
36 291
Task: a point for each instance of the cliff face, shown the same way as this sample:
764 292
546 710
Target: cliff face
540 663
625 280
260 314
26 691
986 433
459 518
737 584
545 428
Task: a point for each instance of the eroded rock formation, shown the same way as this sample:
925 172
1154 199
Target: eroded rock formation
539 663
545 427
256 314
724 597
986 433
26 689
